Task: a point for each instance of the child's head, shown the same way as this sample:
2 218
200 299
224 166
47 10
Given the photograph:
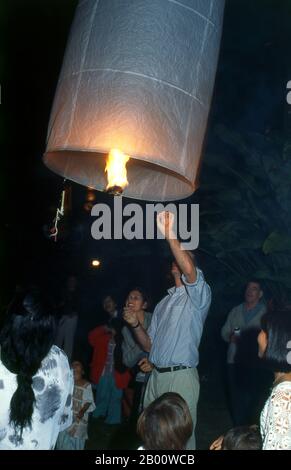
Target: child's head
78 370
243 438
166 424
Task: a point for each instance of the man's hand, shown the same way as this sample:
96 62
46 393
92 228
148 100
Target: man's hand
130 316
217 444
145 365
165 224
233 338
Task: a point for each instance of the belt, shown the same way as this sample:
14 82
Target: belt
171 369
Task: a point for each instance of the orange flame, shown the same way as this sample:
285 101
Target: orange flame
116 169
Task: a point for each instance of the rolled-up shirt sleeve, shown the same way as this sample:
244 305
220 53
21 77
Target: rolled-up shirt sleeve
199 293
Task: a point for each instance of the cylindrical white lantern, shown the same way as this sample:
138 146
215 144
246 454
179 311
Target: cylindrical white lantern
138 76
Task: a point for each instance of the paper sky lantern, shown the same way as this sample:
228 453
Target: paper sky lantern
137 76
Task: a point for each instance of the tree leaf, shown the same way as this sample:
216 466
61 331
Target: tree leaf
277 242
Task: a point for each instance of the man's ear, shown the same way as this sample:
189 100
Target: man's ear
145 306
261 294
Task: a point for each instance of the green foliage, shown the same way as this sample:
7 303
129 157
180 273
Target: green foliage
245 198
277 242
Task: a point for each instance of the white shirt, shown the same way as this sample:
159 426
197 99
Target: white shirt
53 389
82 395
276 418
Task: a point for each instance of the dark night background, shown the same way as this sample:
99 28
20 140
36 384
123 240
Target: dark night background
244 194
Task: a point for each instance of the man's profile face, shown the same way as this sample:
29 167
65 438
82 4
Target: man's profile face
253 293
175 270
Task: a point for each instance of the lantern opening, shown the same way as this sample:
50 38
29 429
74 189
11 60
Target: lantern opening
116 172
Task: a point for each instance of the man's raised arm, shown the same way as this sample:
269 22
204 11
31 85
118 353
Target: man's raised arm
165 223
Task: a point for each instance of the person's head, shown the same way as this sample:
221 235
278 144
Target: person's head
166 424
25 340
175 270
137 300
253 292
242 438
78 370
274 337
109 305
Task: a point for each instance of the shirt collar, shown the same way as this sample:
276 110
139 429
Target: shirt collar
254 309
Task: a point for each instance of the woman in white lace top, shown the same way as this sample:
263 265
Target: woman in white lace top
274 347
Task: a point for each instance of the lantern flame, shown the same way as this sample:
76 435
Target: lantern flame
116 171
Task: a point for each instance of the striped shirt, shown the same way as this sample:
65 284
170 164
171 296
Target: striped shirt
177 324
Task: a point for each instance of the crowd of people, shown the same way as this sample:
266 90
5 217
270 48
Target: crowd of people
143 367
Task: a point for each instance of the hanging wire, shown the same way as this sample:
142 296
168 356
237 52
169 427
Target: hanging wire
59 214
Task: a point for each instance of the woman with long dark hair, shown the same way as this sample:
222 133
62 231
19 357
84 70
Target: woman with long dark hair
35 379
274 346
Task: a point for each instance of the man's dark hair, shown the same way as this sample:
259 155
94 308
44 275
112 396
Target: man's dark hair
277 326
255 281
243 438
166 424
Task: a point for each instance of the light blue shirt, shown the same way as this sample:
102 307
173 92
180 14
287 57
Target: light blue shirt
177 324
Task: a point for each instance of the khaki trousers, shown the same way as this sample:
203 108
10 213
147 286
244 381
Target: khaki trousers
185 382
